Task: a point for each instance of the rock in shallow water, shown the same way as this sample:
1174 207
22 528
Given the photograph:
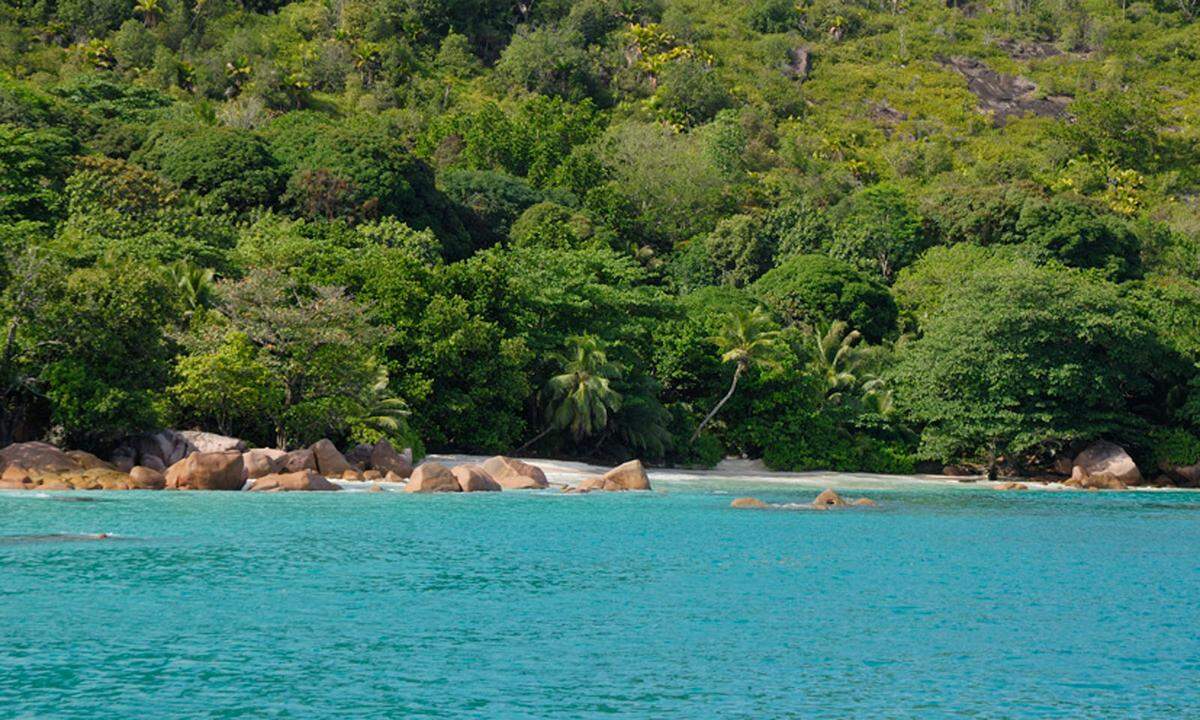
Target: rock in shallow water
748 502
305 480
513 474
432 477
207 471
473 478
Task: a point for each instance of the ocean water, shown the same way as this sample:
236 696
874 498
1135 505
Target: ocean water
944 601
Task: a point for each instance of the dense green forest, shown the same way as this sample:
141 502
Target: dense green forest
849 234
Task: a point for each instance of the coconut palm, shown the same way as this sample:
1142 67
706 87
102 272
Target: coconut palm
747 338
380 410
581 397
195 285
150 10
835 358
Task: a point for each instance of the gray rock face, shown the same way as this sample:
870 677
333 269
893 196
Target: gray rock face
1005 95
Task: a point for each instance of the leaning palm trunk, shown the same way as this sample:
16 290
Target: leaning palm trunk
712 413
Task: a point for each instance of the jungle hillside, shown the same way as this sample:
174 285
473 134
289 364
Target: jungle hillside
831 234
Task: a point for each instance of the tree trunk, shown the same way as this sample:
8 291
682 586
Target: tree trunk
535 438
732 386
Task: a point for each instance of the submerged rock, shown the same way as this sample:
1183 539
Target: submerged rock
473 478
828 498
865 502
207 471
1012 486
748 502
513 474
432 477
305 480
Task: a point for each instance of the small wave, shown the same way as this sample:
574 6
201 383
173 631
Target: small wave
58 537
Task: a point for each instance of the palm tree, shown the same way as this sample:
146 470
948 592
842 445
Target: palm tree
150 10
834 358
380 410
748 338
582 396
195 285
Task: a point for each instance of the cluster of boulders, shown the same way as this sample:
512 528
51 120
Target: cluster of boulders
203 461
1101 465
825 500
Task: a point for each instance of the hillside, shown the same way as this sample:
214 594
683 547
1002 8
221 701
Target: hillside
832 234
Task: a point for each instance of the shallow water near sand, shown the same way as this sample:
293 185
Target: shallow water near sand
944 601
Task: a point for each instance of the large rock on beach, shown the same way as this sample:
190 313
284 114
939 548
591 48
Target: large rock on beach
159 450
473 478
330 462
207 471
212 442
305 480
432 477
1105 465
38 457
261 462
88 461
385 459
298 460
144 478
513 474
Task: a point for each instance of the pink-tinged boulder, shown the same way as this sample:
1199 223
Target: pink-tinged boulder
263 461
392 477
432 477
298 460
144 478
1083 481
1102 463
827 499
88 461
748 503
330 462
305 480
207 471
385 459
473 478
1181 475
38 457
359 456
627 476
513 474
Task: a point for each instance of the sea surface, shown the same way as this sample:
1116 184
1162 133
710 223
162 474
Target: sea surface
943 601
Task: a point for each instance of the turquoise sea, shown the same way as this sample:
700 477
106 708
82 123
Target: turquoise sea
945 601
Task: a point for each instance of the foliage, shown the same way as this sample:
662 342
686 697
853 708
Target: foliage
1021 356
809 289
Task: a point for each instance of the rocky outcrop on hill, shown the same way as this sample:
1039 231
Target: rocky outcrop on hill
1003 95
